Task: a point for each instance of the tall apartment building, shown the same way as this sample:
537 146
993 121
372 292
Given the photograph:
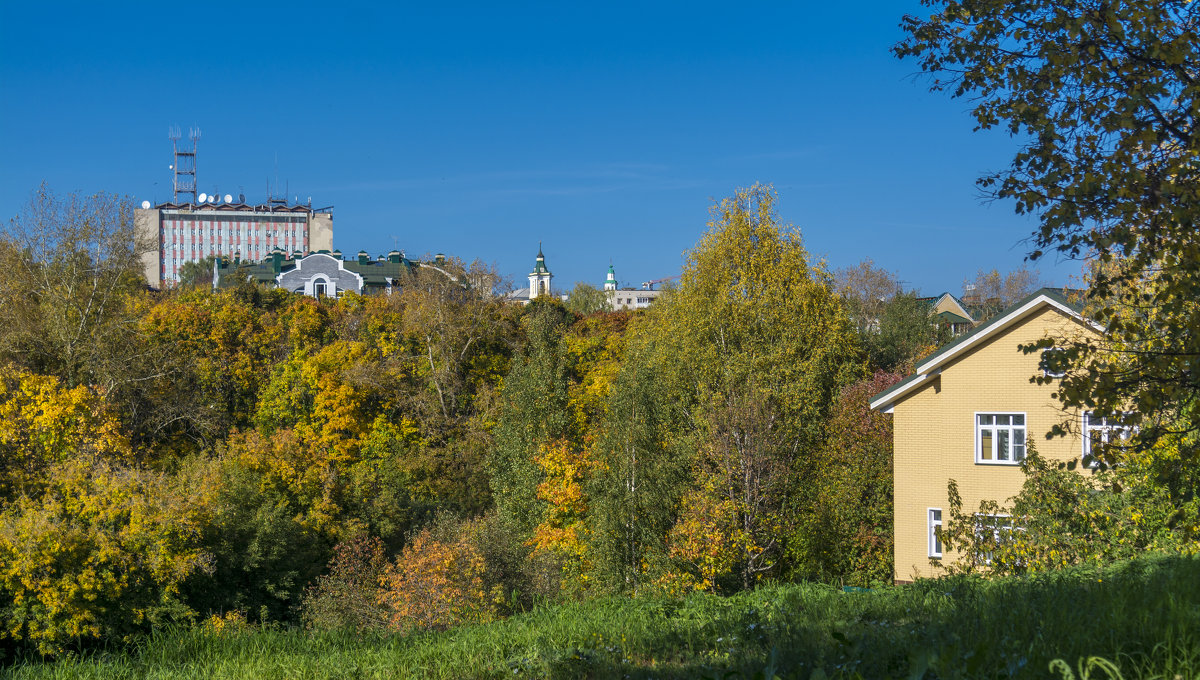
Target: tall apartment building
189 232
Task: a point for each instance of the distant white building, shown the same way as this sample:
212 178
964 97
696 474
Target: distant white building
618 298
627 298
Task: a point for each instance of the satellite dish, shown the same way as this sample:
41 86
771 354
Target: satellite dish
229 198
203 197
145 205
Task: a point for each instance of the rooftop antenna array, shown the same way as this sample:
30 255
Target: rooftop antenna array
185 163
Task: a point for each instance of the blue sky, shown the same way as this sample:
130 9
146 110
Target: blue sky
604 130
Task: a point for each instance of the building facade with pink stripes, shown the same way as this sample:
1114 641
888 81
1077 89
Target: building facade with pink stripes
186 232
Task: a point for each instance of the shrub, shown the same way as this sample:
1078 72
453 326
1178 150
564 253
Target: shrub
348 597
437 583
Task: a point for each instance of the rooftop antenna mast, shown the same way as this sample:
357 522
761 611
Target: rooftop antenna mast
185 163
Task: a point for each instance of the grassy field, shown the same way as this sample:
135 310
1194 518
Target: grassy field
1143 616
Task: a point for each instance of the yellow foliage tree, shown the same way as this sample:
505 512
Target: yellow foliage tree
563 532
42 422
100 553
706 539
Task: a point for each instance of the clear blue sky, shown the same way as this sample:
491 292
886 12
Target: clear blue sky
605 130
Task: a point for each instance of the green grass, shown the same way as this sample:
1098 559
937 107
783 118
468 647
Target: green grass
1143 615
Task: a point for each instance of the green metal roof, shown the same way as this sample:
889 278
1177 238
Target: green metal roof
951 317
374 273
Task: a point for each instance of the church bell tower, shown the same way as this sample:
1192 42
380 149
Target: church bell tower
539 278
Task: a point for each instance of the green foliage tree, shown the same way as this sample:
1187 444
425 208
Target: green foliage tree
746 356
907 331
534 412
1103 95
846 520
586 299
1064 516
197 273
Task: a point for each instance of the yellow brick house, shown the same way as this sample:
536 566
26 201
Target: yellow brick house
965 414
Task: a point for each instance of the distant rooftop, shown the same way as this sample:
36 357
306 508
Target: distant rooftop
244 207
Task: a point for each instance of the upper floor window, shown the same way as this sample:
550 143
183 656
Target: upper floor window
1053 362
1102 431
999 438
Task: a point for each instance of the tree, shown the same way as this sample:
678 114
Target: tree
1063 516
730 375
102 552
846 523
437 582
907 331
68 267
991 293
867 290
197 273
1104 97
534 412
586 299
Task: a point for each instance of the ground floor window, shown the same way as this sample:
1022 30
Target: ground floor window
935 526
990 532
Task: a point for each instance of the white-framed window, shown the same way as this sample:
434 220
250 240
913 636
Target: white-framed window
999 438
1098 430
935 524
992 530
1051 361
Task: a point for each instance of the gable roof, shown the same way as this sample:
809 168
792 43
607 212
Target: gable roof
932 365
936 301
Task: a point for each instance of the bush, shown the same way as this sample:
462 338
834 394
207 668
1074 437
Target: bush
348 596
439 582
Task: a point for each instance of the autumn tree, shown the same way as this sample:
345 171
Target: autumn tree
866 289
70 264
561 538
347 596
1104 98
745 465
992 292
438 581
101 553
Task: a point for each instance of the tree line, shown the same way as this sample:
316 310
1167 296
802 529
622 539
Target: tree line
178 455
